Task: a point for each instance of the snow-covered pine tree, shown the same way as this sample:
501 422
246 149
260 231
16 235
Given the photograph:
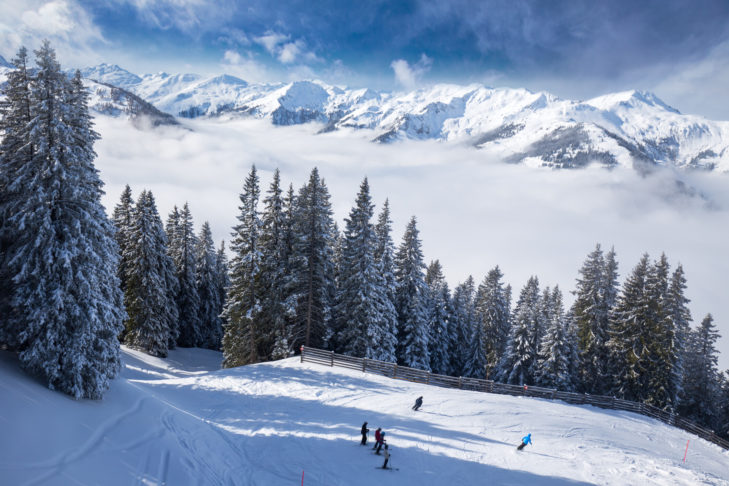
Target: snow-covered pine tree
630 328
462 324
412 335
438 313
556 350
243 305
701 375
151 282
222 282
362 300
311 286
206 283
188 301
662 381
65 296
679 316
492 307
722 427
17 150
274 269
284 343
385 258
518 362
173 221
475 364
122 219
591 314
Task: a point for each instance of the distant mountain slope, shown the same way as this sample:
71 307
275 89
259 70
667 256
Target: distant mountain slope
182 420
632 128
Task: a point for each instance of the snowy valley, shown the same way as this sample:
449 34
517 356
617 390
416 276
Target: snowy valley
182 420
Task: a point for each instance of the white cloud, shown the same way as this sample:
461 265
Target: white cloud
473 213
409 76
284 50
245 67
64 22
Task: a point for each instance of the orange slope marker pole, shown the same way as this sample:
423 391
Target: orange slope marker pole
684 454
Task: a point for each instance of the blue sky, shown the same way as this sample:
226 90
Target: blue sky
572 48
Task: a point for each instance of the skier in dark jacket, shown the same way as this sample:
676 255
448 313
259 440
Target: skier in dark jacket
527 439
378 437
387 457
418 403
365 430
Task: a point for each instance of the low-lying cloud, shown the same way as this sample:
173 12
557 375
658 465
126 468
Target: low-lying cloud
473 213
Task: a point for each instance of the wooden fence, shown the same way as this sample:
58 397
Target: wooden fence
391 370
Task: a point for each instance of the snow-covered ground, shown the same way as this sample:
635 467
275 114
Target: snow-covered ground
182 420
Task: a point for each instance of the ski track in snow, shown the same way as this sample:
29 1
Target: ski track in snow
183 421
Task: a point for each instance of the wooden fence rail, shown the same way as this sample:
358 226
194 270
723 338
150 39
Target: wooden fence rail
391 370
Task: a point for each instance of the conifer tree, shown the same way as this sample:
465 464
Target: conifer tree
64 294
188 301
630 334
206 283
151 282
385 258
438 314
362 301
311 286
591 313
243 305
284 344
557 349
701 375
475 364
462 324
275 267
222 282
17 150
122 219
493 309
412 333
517 365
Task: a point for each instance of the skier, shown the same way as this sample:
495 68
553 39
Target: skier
365 430
382 441
387 457
418 403
378 437
524 441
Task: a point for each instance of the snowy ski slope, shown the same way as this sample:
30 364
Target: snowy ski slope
181 421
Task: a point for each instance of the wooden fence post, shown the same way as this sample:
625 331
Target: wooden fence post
302 353
364 364
332 358
460 382
394 371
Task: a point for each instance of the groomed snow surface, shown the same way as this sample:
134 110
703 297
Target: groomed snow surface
182 420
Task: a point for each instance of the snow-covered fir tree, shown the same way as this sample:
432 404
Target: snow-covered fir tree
385 258
412 335
631 325
206 283
362 300
591 311
122 219
311 286
462 323
16 152
701 375
475 364
517 365
438 315
66 303
183 245
221 284
151 287
275 335
493 308
557 350
243 304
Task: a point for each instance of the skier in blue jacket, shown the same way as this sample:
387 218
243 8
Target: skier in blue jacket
524 441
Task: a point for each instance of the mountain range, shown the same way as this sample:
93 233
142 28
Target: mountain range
631 128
